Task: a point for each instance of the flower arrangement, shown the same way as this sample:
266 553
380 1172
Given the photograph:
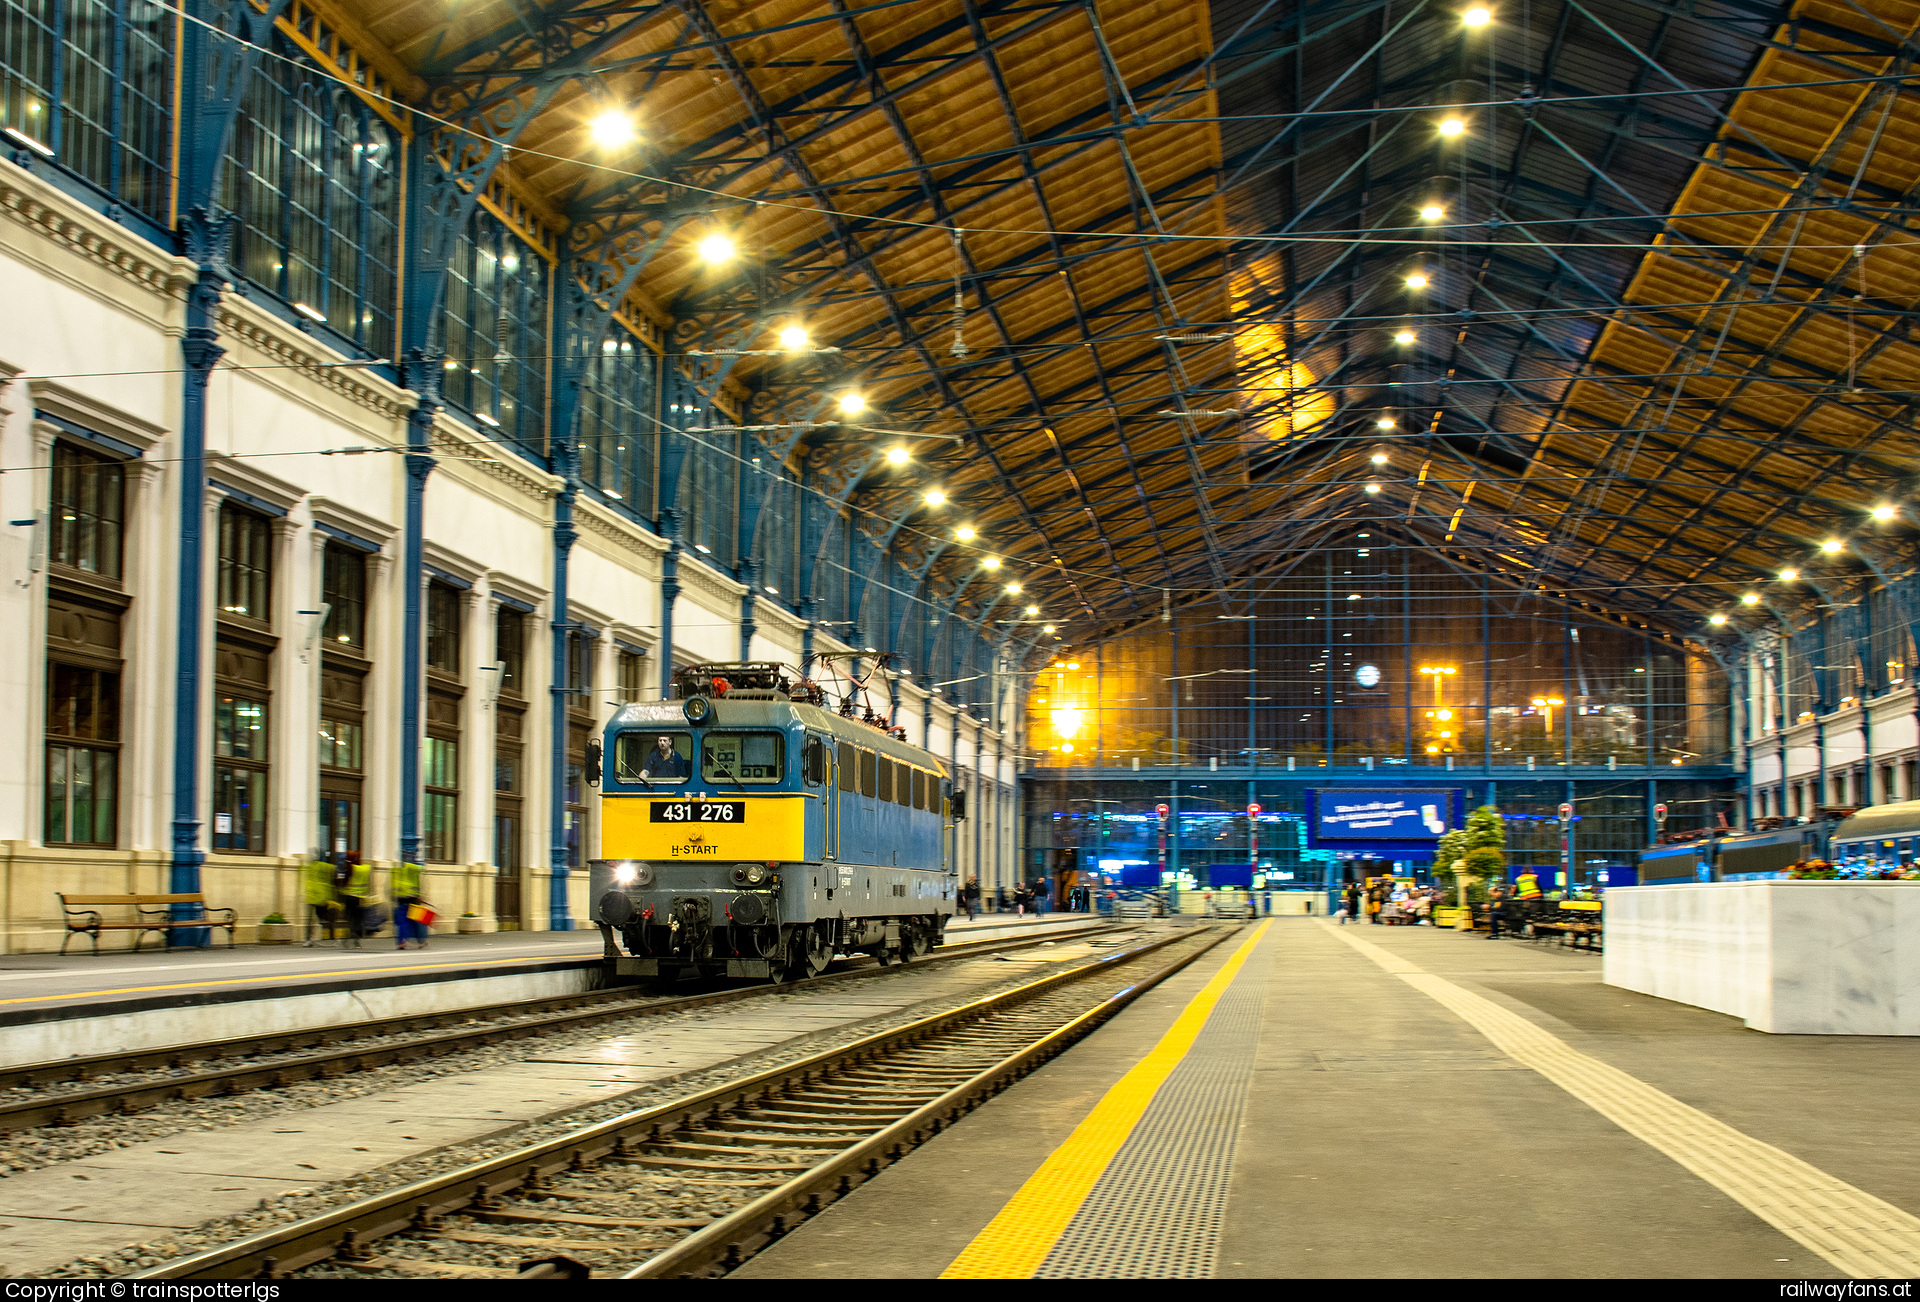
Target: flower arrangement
1821 870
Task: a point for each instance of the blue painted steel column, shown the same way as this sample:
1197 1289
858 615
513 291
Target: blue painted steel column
207 239
558 918
669 593
749 574
413 655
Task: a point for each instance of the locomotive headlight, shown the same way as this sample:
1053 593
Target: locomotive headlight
756 874
625 874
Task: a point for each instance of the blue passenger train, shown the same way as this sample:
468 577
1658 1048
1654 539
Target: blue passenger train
749 831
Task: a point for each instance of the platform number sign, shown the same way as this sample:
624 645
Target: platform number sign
1161 810
1660 814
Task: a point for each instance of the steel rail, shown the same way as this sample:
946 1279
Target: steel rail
420 1205
240 1077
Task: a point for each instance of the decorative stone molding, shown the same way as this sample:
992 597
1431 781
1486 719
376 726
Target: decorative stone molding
240 473
39 207
452 439
502 584
616 529
697 576
453 563
299 353
69 404
341 516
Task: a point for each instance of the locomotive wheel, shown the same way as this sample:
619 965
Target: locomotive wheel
913 942
819 949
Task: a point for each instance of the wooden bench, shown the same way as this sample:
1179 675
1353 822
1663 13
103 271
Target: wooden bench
150 913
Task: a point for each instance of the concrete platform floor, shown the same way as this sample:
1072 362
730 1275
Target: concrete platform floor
1338 1120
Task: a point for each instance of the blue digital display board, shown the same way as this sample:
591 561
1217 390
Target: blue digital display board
1382 814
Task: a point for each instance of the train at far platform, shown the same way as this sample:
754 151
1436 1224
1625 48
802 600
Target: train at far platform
753 827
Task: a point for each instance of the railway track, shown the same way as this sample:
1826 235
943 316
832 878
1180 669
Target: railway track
279 1059
696 1185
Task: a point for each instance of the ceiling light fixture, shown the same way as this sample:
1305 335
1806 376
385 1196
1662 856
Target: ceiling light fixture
1418 280
1832 546
965 533
935 497
1404 337
1453 127
852 404
1478 16
794 338
612 129
896 456
1385 422
1788 576
1373 488
1884 513
716 249
1750 599
1014 589
1433 212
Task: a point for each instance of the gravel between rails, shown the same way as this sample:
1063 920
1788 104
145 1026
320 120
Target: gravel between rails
107 1133
30 1148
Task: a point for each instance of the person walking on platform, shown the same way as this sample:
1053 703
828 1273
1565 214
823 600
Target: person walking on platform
1350 901
316 885
1496 908
406 894
970 897
1526 887
1020 900
1376 900
352 889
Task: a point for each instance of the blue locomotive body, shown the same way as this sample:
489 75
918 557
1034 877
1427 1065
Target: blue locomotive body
747 831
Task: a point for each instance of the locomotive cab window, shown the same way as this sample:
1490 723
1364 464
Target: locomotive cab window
813 762
653 757
742 757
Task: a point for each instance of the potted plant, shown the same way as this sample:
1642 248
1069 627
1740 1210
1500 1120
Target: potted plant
274 929
472 923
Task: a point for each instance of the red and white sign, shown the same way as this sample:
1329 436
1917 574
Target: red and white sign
1253 809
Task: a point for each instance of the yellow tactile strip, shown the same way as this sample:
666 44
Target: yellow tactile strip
1017 1240
1860 1234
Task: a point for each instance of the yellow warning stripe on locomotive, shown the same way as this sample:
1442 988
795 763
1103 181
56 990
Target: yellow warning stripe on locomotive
767 828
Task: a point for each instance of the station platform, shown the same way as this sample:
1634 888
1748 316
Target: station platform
1319 1100
56 1006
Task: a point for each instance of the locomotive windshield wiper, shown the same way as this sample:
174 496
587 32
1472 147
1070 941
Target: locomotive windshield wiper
720 772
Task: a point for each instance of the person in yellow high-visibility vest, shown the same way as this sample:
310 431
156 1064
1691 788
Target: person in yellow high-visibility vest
1526 886
353 890
406 894
316 885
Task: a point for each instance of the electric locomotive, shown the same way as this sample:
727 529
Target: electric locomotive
748 831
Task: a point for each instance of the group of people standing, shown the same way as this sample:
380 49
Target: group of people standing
1388 902
1027 897
341 895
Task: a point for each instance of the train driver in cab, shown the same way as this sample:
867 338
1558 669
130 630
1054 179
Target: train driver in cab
665 764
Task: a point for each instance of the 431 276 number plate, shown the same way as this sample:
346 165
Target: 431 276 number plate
698 811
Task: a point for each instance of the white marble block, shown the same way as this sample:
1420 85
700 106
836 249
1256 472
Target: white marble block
1794 958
